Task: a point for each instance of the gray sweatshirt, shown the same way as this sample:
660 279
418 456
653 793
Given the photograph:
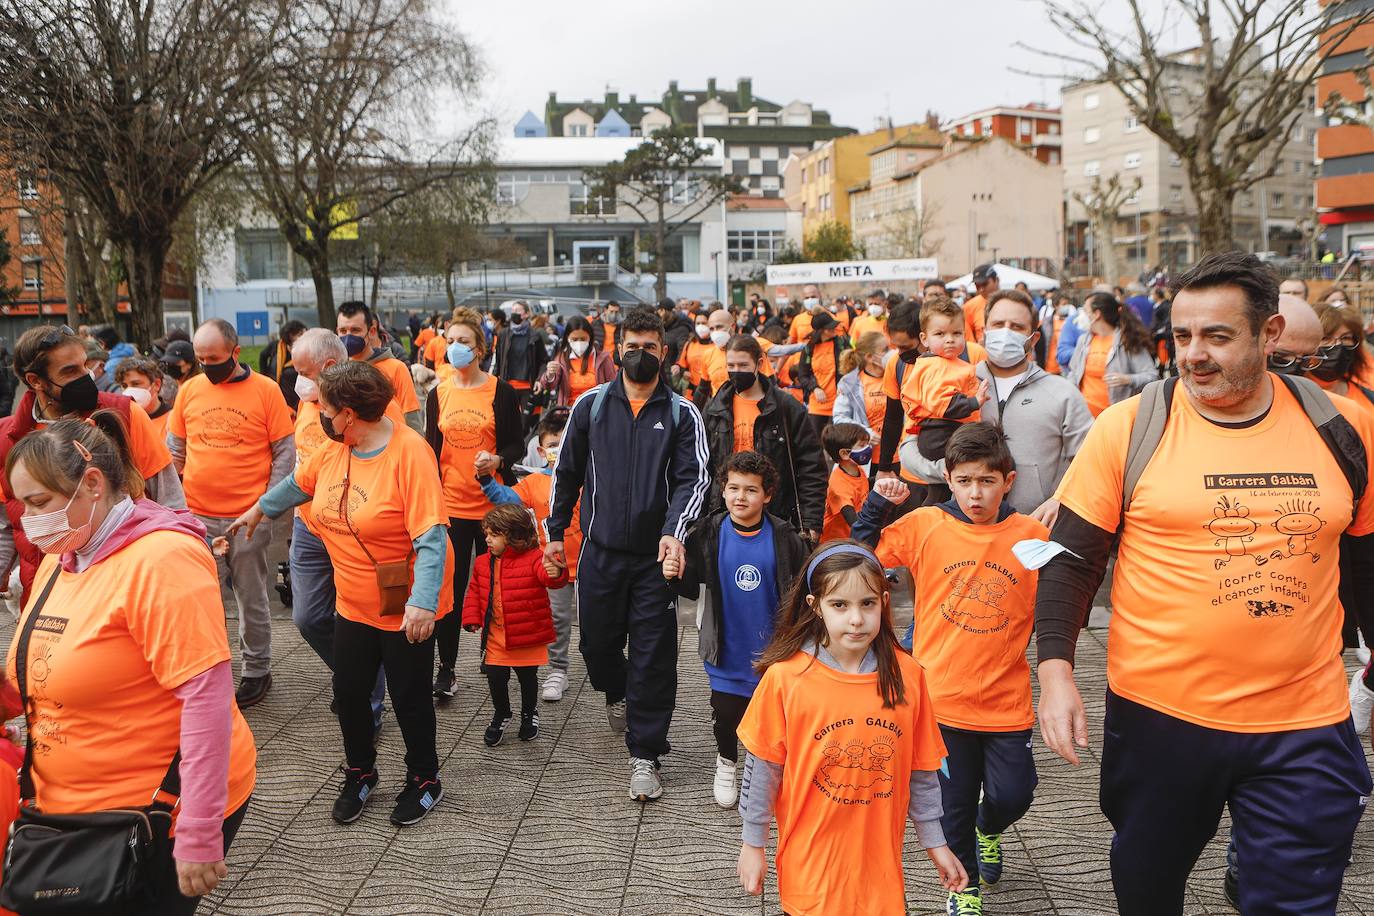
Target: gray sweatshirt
759 784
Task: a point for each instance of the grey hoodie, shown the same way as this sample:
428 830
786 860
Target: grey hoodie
1045 420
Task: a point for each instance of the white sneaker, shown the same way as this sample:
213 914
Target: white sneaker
1361 650
644 782
554 686
1361 702
615 716
727 796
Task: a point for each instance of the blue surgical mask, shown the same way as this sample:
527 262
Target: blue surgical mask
354 344
861 455
460 355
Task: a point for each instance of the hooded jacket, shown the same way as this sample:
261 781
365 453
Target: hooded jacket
784 435
524 597
1045 420
558 374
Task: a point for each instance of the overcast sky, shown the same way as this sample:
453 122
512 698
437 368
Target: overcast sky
859 60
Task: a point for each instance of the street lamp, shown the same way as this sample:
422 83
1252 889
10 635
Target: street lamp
715 271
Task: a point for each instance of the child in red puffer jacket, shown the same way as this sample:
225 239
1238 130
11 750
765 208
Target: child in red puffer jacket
508 601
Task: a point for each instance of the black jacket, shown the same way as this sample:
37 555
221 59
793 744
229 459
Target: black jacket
806 376
676 332
703 549
536 356
510 439
639 478
784 435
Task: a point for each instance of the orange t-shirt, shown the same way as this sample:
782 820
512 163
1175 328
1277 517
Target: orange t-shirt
436 351
800 331
824 369
398 373
693 353
393 498
867 324
930 385
1051 360
111 646
975 608
713 368
158 425
467 421
843 491
535 491
1225 611
443 371
580 382
636 405
973 318
425 336
745 412
875 401
497 653
787 375
229 430
310 437
846 774
1094 384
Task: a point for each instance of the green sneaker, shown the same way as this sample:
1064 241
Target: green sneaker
965 903
989 856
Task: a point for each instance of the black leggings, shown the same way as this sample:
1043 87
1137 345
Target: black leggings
466 536
727 710
359 650
498 681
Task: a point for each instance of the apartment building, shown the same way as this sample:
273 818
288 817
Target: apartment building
1034 127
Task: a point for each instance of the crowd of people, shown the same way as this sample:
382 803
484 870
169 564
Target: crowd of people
508 474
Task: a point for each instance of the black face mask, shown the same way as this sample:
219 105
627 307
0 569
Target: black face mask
517 319
327 424
219 372
743 381
1293 368
1336 364
641 366
79 395
174 370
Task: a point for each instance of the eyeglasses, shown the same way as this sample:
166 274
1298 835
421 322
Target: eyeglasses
1288 360
1343 343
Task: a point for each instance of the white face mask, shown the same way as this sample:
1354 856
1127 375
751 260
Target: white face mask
579 348
307 390
876 310
1006 348
1083 321
703 331
550 455
52 532
720 338
140 396
834 308
811 303
1065 311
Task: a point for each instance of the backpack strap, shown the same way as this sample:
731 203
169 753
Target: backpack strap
1336 432
600 400
1146 432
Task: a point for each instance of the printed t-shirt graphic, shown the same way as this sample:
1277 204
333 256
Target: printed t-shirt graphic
393 498
745 412
975 609
310 437
1225 610
229 430
106 741
468 425
846 773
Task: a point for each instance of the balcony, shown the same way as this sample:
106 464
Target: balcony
1055 140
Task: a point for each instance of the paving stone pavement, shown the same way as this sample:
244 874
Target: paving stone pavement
547 828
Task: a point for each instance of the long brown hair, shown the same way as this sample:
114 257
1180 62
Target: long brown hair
799 624
1135 338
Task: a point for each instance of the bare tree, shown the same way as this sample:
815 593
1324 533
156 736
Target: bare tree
666 183
136 107
346 137
910 232
1102 203
1226 107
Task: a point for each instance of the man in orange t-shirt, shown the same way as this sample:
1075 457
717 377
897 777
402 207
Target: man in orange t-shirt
355 323
986 283
231 437
1226 687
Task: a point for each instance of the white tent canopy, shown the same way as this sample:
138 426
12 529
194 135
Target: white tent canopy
1008 277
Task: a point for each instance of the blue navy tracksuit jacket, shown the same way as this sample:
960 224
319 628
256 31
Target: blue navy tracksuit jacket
639 478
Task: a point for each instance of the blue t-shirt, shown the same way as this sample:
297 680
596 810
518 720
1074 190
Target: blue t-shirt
749 592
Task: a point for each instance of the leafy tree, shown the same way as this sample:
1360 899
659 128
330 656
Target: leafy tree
831 241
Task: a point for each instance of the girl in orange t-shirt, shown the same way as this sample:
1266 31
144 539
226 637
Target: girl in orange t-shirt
818 373
508 601
842 743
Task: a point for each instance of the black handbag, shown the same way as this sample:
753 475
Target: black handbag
77 863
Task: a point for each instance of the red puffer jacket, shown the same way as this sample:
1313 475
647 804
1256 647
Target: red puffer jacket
524 596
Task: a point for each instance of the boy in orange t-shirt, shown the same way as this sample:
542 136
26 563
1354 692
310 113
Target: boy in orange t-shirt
975 609
941 392
848 485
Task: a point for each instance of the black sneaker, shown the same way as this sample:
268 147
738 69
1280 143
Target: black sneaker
252 690
1230 887
445 684
357 789
496 730
416 800
529 726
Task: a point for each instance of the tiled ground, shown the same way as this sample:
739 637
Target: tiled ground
546 827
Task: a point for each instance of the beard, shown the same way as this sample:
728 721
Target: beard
1222 387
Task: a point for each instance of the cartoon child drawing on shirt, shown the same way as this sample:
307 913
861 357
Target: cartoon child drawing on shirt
1233 528
1300 524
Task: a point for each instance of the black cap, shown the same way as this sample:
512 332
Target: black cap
983 273
179 351
668 304
822 321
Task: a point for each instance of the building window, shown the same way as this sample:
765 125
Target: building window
28 186
1132 160
581 202
1092 134
1134 197
29 232
1091 101
986 126
1092 168
1053 129
1054 157
577 130
1297 167
770 183
1299 133
1131 125
31 273
1276 200
982 241
1175 159
262 255
1176 193
825 202
1023 127
754 244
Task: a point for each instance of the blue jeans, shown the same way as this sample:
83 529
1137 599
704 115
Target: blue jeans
990 784
312 606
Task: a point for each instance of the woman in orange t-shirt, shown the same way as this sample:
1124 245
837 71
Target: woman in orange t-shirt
1114 361
861 399
843 745
472 421
1344 357
377 504
576 367
128 662
818 373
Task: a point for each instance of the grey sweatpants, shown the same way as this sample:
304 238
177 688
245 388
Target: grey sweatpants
563 603
245 568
